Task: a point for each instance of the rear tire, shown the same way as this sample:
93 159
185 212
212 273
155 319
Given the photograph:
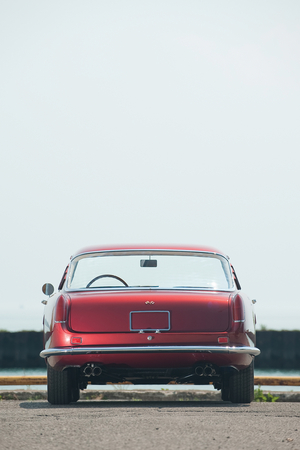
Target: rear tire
62 386
241 386
75 391
225 392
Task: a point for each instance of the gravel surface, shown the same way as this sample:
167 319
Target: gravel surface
142 395
149 425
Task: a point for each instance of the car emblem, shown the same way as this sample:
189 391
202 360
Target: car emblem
149 303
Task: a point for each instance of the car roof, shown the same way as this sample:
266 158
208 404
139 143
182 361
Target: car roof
148 247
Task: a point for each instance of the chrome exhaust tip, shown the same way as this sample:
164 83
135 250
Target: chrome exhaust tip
88 370
91 370
97 371
199 371
209 371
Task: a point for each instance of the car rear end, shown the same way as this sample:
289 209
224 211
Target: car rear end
161 327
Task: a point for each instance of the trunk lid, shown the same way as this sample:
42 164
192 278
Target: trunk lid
132 311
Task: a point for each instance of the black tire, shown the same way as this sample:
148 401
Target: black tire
225 392
75 391
62 386
241 386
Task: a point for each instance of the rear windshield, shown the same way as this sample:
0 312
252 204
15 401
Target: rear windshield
150 269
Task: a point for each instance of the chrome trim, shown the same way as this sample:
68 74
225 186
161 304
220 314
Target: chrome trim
65 351
142 330
239 321
148 251
144 288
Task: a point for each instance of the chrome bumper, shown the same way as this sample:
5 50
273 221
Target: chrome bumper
149 349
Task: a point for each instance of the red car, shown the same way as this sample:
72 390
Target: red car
149 315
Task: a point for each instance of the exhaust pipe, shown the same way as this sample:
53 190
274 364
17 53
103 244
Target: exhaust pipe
88 370
199 371
92 370
209 371
97 371
206 371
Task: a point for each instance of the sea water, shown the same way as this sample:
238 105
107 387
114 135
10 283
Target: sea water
156 387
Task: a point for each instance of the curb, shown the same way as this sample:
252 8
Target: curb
141 395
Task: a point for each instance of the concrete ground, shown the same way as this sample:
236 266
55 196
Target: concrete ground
170 425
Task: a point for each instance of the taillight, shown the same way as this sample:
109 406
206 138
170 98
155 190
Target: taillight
223 340
76 340
238 309
61 310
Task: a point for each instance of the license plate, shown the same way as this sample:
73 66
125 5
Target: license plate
149 321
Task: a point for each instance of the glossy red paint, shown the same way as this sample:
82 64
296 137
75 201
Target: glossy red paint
109 312
151 361
143 317
238 309
61 309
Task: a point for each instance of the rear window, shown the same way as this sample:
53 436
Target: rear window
150 269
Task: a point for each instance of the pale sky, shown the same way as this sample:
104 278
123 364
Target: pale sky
150 122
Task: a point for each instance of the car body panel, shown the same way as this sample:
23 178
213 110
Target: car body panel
109 312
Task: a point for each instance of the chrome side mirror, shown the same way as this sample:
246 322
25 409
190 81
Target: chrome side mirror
48 289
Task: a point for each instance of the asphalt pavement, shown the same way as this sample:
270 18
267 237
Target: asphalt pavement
89 425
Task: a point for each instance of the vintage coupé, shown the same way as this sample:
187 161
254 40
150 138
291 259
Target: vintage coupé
149 315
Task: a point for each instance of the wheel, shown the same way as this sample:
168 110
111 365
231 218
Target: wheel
106 276
241 386
75 391
225 392
62 386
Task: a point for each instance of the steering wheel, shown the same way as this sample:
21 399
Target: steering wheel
106 276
